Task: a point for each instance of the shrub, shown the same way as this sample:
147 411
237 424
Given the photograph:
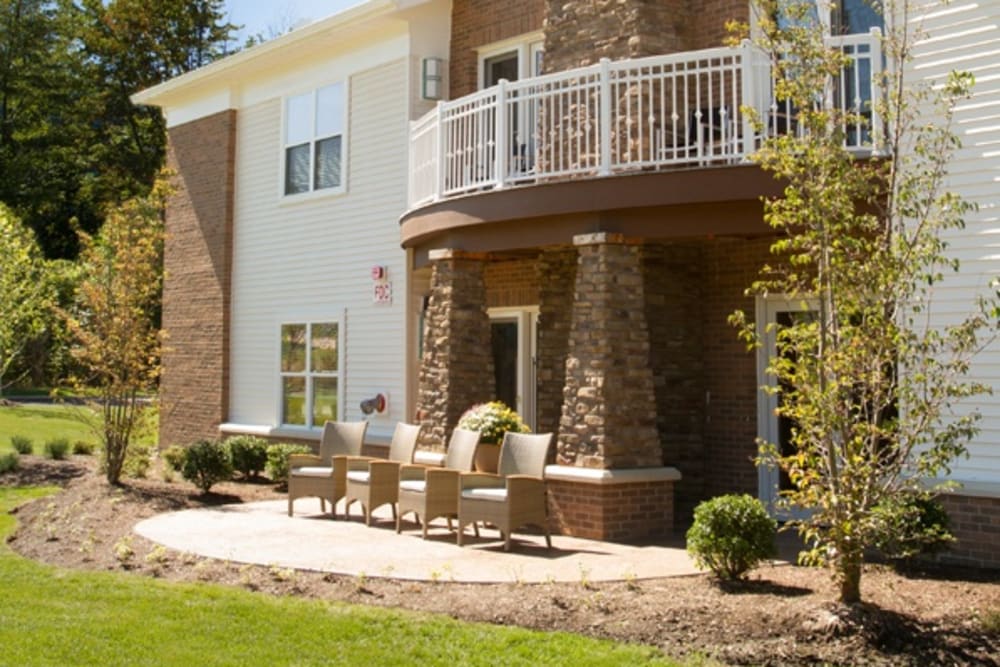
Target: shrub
205 463
248 453
730 535
914 525
22 444
277 460
9 461
138 458
174 456
83 448
492 420
57 448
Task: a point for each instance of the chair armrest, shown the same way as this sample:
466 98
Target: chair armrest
472 480
412 471
383 471
442 478
296 460
525 488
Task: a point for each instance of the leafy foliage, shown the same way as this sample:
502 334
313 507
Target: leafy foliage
22 444
731 535
912 525
248 454
174 457
118 342
872 385
492 420
206 462
277 460
9 461
25 294
56 448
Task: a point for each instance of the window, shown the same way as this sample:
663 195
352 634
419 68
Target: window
310 373
514 59
314 140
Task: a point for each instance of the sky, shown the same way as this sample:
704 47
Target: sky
271 18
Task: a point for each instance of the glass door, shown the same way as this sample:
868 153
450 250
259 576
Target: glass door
513 341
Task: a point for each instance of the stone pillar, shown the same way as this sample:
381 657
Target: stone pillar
456 371
609 404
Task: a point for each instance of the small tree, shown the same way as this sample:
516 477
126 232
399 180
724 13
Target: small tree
25 294
871 381
118 342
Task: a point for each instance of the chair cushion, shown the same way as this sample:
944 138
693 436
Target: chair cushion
498 495
360 476
311 471
417 485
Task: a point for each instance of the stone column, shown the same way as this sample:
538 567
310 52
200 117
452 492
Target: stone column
456 371
609 404
556 277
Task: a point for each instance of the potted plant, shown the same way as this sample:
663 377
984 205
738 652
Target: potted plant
492 420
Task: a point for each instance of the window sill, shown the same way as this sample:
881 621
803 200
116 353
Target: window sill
309 197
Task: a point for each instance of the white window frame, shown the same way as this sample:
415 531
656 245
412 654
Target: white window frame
824 12
526 318
528 47
313 192
308 373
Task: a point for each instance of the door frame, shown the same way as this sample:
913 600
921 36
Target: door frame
526 318
766 309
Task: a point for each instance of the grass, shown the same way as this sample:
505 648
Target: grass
42 423
50 616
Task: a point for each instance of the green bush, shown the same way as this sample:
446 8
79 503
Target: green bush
248 454
22 444
57 448
138 458
731 535
174 456
205 463
9 461
277 460
83 448
911 526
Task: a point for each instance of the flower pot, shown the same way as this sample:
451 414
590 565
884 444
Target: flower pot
487 457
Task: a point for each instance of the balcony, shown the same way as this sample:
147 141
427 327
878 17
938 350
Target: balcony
662 113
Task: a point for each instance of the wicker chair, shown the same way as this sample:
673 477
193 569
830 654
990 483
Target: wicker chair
324 475
514 497
375 482
433 492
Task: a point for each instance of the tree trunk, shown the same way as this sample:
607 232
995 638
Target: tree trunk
850 578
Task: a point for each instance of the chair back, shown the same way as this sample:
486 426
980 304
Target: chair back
341 439
404 442
462 449
524 453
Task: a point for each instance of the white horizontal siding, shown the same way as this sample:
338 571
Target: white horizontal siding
312 260
964 35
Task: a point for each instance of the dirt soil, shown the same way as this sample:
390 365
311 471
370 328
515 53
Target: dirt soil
780 616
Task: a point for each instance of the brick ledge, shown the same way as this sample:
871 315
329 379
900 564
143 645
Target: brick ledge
605 477
266 431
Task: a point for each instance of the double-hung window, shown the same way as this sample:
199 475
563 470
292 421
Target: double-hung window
314 140
310 373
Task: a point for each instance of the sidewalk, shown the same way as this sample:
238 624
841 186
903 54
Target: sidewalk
264 534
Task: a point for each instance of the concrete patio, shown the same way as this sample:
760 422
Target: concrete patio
264 534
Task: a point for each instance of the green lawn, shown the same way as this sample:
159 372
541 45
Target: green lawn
41 423
50 616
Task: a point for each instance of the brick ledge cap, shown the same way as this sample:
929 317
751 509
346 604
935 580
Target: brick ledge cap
266 431
616 476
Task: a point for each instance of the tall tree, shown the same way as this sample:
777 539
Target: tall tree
872 385
117 339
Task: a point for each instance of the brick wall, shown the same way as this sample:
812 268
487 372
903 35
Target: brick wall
557 274
613 512
475 23
730 370
194 388
975 522
706 24
511 283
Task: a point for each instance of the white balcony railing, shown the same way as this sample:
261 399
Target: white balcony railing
651 113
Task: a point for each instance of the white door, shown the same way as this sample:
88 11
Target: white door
513 341
773 313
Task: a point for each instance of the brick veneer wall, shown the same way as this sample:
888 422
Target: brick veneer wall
557 275
975 522
614 512
674 292
197 258
730 370
475 23
511 283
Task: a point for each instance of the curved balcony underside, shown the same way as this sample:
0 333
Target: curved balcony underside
694 203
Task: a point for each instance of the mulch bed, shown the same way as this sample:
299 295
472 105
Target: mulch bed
780 616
